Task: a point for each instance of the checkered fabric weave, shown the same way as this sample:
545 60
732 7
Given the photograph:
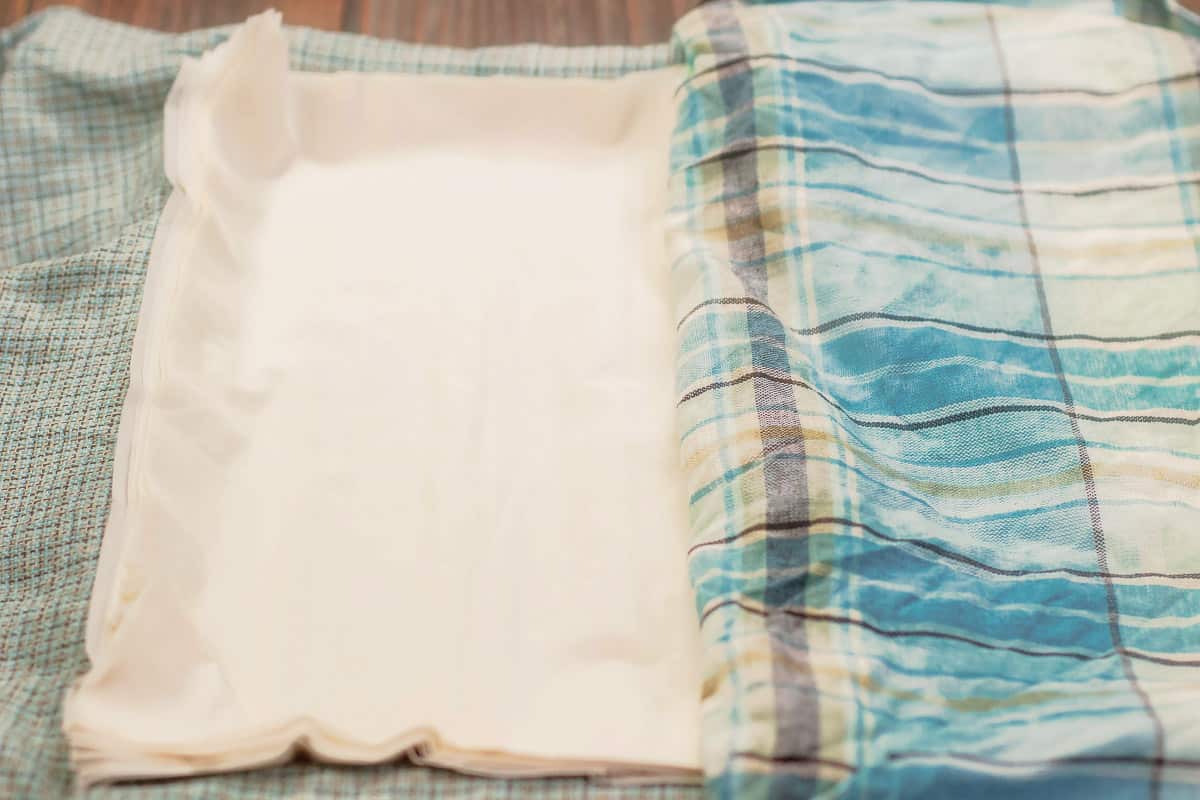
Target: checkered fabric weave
938 284
81 187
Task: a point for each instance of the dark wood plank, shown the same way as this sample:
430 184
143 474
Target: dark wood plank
481 23
182 15
12 10
461 23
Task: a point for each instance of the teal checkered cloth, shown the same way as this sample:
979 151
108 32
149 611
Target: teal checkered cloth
937 275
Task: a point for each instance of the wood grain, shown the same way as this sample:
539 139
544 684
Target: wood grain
182 15
461 23
12 10
480 23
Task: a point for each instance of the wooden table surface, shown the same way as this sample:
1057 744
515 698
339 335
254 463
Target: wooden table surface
463 23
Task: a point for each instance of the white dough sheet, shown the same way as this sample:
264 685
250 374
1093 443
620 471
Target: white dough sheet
398 469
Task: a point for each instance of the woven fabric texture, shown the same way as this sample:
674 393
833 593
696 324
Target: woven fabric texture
938 287
81 188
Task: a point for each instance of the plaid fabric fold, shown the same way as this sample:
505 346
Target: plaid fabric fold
938 292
